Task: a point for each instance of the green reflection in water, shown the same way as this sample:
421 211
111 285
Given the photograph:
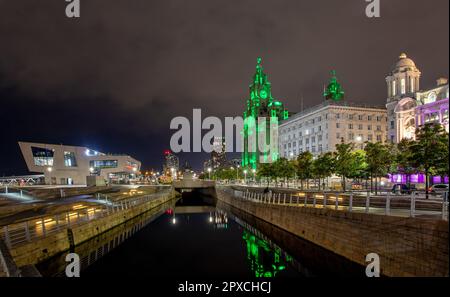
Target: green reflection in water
264 260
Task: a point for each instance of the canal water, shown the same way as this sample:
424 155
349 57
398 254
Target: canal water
198 237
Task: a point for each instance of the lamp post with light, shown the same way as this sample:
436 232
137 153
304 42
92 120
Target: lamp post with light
209 172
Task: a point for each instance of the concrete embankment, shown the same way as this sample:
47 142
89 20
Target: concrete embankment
406 246
57 242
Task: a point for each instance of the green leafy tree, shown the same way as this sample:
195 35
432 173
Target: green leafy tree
359 165
323 167
344 162
378 159
404 159
304 166
266 170
427 150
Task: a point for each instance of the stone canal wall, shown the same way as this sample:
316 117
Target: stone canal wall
406 246
37 251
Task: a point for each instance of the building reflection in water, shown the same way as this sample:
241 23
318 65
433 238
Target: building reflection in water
264 260
264 257
220 219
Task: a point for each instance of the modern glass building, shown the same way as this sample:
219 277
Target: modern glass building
70 165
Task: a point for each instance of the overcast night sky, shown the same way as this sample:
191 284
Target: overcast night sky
113 79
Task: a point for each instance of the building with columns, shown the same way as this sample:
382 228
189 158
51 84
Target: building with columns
407 106
318 129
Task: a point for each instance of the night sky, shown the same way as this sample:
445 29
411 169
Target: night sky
113 79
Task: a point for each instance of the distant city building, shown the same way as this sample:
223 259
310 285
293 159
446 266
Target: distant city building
218 155
170 161
71 165
407 106
260 104
319 128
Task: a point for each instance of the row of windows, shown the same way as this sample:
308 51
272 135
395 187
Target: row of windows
99 164
307 141
360 138
359 117
350 137
360 127
312 149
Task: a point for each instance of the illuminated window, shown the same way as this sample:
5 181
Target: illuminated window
42 156
403 86
99 164
69 159
394 88
411 84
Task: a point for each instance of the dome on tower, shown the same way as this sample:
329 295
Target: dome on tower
404 63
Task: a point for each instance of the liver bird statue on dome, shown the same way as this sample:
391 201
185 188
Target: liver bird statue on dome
334 90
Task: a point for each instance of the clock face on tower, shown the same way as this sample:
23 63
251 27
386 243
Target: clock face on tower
263 94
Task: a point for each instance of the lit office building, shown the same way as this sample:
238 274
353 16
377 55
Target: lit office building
318 129
171 162
72 165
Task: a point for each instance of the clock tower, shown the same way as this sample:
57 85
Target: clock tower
261 104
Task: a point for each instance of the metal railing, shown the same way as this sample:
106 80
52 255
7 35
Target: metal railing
34 229
351 202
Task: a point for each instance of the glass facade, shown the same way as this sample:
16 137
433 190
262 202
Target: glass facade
99 164
42 156
69 159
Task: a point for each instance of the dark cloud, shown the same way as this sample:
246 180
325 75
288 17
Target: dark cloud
127 67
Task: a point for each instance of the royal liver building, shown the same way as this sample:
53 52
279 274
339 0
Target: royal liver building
261 104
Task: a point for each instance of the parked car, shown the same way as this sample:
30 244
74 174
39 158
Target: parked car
439 189
403 189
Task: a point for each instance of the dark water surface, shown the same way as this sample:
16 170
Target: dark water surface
197 238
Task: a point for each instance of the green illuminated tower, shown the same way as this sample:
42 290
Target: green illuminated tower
261 104
334 90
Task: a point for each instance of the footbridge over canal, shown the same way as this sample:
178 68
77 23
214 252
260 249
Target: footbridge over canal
187 185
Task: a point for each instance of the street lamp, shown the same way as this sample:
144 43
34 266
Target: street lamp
209 172
245 176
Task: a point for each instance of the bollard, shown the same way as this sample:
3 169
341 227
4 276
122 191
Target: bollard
306 199
367 202
290 200
324 200
336 203
284 198
314 201
444 210
413 205
350 203
388 204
